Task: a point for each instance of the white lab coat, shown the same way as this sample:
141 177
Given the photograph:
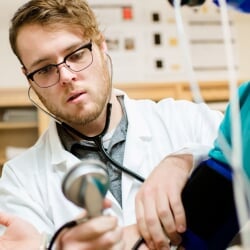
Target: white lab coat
31 183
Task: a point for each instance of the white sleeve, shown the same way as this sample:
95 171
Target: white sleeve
198 151
202 125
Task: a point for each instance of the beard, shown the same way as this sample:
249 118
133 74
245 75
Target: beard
87 112
83 117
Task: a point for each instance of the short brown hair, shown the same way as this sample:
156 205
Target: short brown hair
50 12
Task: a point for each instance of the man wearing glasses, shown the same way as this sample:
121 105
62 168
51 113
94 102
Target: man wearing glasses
64 57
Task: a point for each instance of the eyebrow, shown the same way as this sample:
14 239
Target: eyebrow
39 61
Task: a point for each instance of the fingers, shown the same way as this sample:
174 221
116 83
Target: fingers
97 233
93 228
148 220
108 240
6 219
154 224
167 219
157 222
107 203
178 213
142 226
159 210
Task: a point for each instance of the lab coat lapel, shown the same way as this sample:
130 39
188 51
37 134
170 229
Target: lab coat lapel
61 159
135 155
134 162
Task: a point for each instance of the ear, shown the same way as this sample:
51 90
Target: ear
24 70
104 47
104 50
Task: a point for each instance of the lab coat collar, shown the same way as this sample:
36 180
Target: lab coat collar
134 115
61 159
138 134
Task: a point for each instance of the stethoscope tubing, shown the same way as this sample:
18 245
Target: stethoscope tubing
98 142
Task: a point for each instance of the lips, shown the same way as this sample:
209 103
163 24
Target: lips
75 96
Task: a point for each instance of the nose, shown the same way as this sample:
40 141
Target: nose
65 74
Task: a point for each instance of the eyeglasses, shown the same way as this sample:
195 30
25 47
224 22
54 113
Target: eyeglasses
76 61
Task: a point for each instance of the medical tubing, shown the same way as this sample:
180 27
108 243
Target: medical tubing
115 163
192 79
58 231
242 195
88 138
185 49
234 155
138 243
97 140
234 101
195 89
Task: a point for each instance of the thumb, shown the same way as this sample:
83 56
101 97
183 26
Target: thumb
6 219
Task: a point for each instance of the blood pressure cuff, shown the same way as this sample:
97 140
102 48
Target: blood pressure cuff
210 209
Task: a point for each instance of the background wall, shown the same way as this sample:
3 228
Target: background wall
134 45
10 72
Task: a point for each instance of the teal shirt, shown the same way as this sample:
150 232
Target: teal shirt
225 129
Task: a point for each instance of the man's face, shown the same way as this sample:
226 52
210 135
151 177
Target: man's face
78 98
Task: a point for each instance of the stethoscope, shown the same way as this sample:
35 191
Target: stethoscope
97 139
99 147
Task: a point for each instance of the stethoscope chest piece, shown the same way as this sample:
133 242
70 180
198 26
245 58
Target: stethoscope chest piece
86 184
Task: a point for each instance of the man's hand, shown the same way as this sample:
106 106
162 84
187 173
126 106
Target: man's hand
99 233
131 236
159 210
19 234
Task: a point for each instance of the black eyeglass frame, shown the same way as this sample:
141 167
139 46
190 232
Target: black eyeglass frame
88 46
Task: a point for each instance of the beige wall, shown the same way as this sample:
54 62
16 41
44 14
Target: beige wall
242 22
10 71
